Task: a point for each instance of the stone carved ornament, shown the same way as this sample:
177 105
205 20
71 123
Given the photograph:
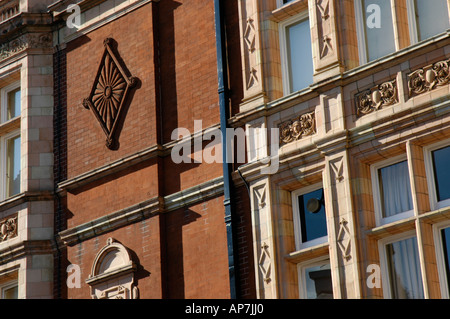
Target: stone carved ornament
108 97
297 128
429 77
112 274
8 228
377 97
26 41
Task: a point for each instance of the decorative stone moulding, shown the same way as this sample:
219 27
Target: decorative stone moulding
112 274
9 9
8 228
429 77
377 97
109 95
297 128
26 41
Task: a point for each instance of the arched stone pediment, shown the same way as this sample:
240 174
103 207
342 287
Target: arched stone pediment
112 273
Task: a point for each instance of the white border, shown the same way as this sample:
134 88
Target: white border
429 171
3 154
301 267
285 69
296 218
382 243
4 99
440 258
412 23
379 219
8 285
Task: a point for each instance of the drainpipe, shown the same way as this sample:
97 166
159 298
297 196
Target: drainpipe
224 115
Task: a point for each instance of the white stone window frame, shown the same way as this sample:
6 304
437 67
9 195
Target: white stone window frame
285 67
3 161
361 32
117 281
429 171
297 221
6 286
412 21
384 268
379 219
301 268
440 258
4 100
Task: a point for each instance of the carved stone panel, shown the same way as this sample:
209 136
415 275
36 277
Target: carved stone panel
24 42
376 98
250 47
109 95
429 78
297 128
8 228
325 34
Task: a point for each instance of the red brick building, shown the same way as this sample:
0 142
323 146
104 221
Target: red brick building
152 68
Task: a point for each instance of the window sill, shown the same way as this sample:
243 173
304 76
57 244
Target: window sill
392 228
308 253
10 125
288 10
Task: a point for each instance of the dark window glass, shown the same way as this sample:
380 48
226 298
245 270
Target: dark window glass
313 224
445 233
441 161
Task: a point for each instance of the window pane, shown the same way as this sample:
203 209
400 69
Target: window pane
442 173
445 233
431 17
404 269
13 108
379 41
395 189
298 39
13 166
318 282
10 293
313 225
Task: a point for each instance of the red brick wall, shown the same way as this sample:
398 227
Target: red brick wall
86 140
143 239
182 254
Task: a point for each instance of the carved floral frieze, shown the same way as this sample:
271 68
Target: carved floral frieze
429 77
297 128
377 97
8 228
26 41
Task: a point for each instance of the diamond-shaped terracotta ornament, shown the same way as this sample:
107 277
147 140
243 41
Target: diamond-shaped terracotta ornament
109 94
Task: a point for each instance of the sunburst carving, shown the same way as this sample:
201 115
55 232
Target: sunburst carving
109 94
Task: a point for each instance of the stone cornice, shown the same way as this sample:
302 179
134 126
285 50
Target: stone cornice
156 150
140 211
25 197
23 248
